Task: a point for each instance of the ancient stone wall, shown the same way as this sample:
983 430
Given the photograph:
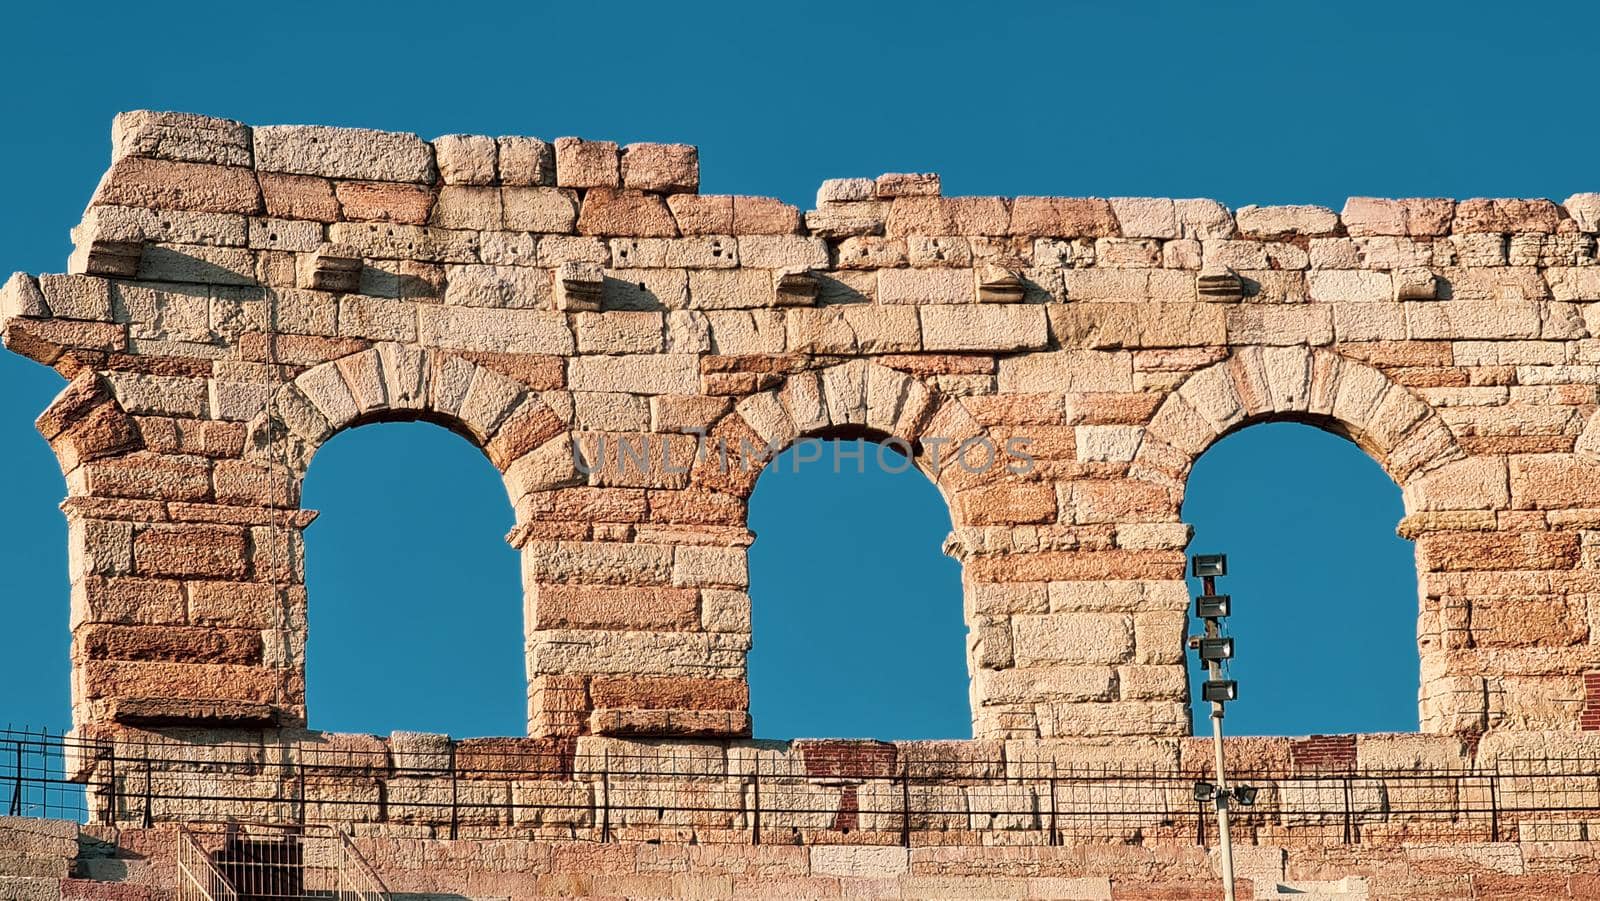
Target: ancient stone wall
238 295
51 860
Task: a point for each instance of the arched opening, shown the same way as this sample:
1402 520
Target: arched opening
35 668
856 612
414 599
1324 591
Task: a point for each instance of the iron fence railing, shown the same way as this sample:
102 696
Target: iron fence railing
758 793
258 862
198 876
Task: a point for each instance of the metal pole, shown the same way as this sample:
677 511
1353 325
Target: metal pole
1214 669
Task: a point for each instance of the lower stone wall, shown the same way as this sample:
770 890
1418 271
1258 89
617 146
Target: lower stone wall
140 865
1393 816
1343 788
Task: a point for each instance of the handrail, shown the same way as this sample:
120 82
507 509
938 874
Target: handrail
357 879
198 877
606 797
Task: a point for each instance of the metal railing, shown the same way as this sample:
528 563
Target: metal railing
357 881
761 793
198 878
260 862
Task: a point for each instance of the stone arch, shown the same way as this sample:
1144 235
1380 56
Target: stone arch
862 399
1399 430
397 382
390 382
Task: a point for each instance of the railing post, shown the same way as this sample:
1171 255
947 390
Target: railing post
1494 804
149 818
905 807
1349 825
111 814
455 809
605 797
755 816
16 791
301 778
1055 835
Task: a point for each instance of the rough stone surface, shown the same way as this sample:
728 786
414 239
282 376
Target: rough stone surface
276 285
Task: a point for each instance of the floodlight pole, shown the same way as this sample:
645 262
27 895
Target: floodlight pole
1214 671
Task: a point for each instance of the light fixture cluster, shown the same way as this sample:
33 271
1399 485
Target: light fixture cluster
1244 794
1213 647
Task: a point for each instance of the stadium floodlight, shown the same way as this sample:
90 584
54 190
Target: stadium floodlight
1216 649
1220 691
1210 565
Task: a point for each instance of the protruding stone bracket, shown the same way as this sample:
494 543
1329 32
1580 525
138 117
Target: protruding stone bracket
796 287
334 267
997 284
1219 284
579 287
107 258
674 723
180 712
1417 283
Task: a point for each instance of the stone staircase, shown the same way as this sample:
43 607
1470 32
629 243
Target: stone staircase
56 860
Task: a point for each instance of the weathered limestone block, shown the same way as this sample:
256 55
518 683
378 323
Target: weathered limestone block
466 159
667 168
925 286
524 161
1419 217
1280 221
983 328
1063 217
608 211
1146 217
162 184
184 137
764 216
539 209
587 164
509 287
486 329
906 184
298 196
1074 638
1481 215
638 374
1112 326
137 224
384 202
356 153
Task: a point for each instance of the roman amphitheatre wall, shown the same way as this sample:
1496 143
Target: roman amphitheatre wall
238 295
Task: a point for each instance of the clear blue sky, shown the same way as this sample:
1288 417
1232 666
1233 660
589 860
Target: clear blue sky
1260 102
